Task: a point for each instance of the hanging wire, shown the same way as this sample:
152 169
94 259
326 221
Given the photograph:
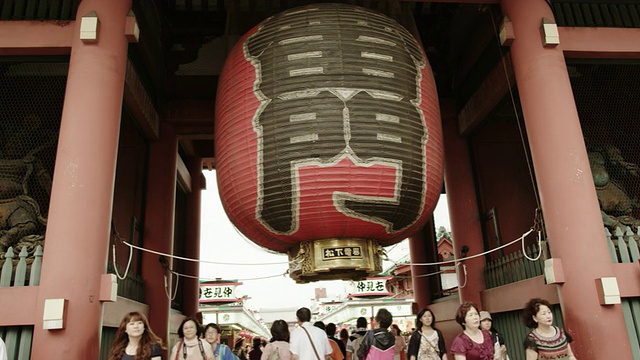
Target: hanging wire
167 285
117 235
214 279
418 276
455 261
202 261
539 248
383 255
464 270
115 268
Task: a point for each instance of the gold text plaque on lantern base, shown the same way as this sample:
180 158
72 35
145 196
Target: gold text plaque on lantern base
335 259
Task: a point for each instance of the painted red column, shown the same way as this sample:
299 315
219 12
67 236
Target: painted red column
463 207
77 237
192 248
420 251
567 193
158 228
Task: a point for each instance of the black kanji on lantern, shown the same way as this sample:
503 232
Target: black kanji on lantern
337 81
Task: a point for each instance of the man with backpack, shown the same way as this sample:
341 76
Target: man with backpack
220 351
379 343
356 338
308 342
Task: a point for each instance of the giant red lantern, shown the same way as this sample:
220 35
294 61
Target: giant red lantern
328 138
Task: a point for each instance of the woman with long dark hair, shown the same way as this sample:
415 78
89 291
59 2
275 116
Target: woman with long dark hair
427 342
135 340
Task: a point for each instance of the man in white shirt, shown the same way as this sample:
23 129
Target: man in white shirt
3 351
300 342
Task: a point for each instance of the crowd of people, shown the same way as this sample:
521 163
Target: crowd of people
478 340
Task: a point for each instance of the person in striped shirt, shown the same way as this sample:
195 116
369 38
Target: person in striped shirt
545 341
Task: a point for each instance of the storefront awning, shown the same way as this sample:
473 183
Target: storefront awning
350 310
236 317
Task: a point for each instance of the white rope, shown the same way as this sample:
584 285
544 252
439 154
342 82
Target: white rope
456 261
464 270
166 286
115 268
214 279
539 248
200 261
418 276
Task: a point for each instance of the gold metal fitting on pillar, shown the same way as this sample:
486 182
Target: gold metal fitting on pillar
89 25
549 32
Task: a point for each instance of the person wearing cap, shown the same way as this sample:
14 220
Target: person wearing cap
486 323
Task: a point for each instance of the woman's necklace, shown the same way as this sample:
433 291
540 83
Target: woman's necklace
476 335
546 331
427 331
131 349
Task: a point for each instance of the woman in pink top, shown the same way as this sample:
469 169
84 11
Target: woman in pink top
279 343
401 344
191 347
472 343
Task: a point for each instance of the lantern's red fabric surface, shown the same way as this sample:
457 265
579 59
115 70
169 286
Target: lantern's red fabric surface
327 126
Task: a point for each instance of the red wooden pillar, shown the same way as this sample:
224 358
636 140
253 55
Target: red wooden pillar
421 246
463 208
158 228
567 193
77 237
192 248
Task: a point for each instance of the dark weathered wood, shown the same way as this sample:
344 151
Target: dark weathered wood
588 16
568 14
576 9
634 14
597 15
30 10
54 9
42 11
18 9
7 10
